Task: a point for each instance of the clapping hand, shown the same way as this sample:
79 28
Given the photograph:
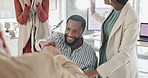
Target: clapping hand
37 2
27 2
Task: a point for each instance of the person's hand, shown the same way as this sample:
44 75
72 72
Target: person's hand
43 44
91 73
51 43
53 50
92 6
37 4
27 2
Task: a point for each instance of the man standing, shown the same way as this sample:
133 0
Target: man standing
72 44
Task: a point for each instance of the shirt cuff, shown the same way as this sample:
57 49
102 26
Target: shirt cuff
58 55
37 46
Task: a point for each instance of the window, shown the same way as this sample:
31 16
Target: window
143 11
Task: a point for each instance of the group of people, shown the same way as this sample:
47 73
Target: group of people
68 55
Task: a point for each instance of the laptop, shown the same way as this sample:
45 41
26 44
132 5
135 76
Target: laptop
143 32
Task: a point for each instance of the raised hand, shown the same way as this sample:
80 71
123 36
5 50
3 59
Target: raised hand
92 6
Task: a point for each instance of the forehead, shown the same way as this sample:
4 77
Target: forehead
74 24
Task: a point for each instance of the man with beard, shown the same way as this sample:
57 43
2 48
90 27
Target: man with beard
47 64
72 44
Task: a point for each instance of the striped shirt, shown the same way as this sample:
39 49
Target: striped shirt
84 56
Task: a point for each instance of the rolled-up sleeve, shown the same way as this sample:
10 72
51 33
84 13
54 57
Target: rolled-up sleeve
37 44
54 37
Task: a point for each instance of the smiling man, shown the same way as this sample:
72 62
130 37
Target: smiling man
47 64
72 43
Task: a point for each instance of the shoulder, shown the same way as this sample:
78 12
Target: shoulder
88 47
58 34
131 14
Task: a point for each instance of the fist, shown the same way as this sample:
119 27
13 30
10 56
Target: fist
51 43
53 50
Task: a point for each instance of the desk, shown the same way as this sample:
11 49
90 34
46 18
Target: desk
92 37
141 43
142 49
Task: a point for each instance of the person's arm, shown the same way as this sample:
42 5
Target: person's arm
96 15
21 15
38 65
43 10
39 44
54 37
69 69
92 6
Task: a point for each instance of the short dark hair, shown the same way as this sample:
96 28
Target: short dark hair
122 1
79 19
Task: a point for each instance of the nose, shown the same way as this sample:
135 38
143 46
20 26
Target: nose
70 33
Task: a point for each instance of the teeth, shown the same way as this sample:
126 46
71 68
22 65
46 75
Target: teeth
70 38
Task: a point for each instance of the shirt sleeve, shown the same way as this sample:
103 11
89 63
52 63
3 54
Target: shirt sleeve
54 37
21 15
37 44
70 70
44 62
43 10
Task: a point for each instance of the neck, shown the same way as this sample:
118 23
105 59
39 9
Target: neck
77 45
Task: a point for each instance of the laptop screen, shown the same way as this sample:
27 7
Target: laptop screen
144 29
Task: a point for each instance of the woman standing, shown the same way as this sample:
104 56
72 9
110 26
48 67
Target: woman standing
32 15
119 35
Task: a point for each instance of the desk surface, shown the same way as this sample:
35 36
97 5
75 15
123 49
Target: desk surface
141 43
98 38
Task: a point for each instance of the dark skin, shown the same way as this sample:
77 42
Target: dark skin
115 5
73 30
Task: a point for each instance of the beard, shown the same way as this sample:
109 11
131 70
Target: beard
76 39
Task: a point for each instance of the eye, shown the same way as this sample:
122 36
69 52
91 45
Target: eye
67 29
76 31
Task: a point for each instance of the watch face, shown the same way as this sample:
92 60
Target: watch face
7 25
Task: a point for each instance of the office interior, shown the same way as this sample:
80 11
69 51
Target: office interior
60 10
